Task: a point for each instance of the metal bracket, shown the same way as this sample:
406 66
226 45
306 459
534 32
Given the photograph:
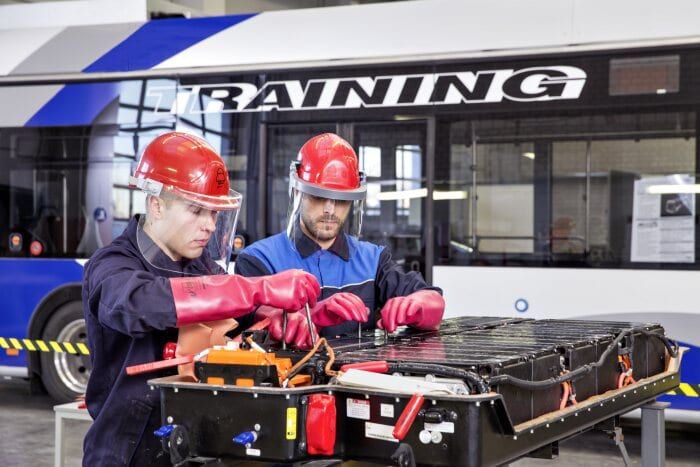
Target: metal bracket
548 451
610 427
619 439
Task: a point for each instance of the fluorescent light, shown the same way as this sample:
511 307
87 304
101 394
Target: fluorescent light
529 155
461 246
457 194
667 189
420 193
405 194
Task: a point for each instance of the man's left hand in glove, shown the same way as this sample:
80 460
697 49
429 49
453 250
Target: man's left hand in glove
420 310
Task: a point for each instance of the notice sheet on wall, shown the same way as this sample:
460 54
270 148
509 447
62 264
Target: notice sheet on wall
663 224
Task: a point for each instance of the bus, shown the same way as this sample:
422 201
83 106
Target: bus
540 163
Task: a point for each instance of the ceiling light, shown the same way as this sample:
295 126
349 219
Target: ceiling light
420 193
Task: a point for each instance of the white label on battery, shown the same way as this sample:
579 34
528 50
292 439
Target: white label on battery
358 408
445 427
387 410
379 431
253 452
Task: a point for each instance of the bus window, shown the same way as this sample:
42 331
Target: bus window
505 198
625 164
566 191
393 158
490 188
41 194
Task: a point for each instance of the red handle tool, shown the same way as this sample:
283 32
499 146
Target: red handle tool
403 424
158 365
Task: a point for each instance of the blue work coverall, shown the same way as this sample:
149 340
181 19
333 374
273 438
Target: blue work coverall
349 265
129 315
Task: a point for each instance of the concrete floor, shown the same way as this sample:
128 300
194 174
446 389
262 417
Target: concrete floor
27 439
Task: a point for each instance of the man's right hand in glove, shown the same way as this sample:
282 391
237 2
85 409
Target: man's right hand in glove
339 308
297 333
210 298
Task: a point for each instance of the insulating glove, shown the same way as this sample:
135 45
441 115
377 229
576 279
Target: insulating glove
210 298
297 334
339 308
421 310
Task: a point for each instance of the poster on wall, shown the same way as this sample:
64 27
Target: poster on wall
663 224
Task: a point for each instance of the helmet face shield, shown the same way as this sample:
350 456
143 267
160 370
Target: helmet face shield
177 230
323 219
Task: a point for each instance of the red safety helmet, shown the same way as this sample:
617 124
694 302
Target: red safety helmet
187 166
327 167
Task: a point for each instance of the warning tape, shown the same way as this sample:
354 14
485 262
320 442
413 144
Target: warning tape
686 389
38 345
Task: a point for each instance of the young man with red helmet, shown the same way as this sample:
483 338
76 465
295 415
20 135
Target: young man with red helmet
167 270
327 192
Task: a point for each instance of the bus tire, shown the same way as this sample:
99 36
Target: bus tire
65 375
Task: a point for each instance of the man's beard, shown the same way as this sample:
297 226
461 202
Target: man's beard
322 232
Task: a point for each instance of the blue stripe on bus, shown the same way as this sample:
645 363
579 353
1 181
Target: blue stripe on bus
154 42
76 104
159 40
25 282
690 365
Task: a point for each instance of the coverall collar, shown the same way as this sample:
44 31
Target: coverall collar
306 246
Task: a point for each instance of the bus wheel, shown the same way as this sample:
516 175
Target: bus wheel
65 375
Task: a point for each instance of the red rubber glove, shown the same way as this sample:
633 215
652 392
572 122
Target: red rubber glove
339 308
420 310
297 333
211 298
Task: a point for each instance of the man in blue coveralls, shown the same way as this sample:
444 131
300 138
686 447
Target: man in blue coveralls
327 192
167 270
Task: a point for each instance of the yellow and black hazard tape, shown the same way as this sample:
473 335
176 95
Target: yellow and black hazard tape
686 389
38 345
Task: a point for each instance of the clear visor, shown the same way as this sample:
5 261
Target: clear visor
215 203
181 235
322 219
